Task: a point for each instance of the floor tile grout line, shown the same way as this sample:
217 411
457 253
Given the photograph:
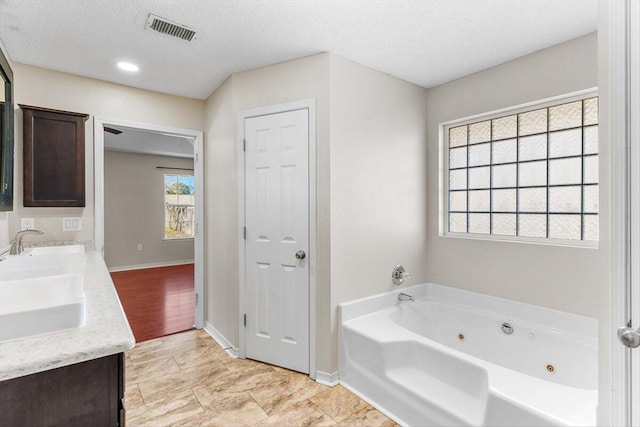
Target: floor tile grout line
199 402
173 357
350 414
257 403
141 396
323 411
160 357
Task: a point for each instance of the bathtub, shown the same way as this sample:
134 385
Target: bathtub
448 358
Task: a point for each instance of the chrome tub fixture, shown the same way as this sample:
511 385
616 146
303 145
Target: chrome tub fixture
399 275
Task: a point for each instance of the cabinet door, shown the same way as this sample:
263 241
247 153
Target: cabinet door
54 170
86 394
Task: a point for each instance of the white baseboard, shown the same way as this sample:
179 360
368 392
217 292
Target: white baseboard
328 379
221 340
150 265
324 378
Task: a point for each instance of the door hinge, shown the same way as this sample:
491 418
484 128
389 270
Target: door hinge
245 320
196 295
244 232
196 157
244 145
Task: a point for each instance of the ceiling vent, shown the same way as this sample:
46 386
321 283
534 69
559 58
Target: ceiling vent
169 28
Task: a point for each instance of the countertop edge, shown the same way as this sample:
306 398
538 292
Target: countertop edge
106 331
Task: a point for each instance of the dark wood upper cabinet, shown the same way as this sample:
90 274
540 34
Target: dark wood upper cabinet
54 144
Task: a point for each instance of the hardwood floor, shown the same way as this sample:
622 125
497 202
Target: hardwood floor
157 301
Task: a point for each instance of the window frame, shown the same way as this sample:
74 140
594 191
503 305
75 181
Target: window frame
443 172
164 208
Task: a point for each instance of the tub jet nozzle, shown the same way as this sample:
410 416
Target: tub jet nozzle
507 328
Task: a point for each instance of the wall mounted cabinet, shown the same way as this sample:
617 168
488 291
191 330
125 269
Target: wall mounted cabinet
54 172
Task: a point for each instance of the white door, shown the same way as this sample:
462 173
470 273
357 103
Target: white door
634 166
277 239
625 88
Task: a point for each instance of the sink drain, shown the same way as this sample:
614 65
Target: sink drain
461 336
550 368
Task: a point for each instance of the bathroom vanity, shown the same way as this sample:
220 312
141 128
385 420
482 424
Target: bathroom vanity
84 394
73 376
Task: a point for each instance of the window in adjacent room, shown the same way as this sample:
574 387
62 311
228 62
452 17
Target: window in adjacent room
527 174
179 206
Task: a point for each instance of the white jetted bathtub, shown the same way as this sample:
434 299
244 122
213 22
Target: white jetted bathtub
454 357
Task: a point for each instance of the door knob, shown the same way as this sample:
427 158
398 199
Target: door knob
629 337
300 254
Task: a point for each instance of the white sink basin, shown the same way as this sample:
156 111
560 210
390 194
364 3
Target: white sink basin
52 250
44 262
40 305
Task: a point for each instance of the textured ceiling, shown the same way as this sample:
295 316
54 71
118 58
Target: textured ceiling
426 42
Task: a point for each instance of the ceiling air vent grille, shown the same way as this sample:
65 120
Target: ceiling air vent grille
169 28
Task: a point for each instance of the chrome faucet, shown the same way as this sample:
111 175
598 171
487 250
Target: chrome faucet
399 275
405 297
16 243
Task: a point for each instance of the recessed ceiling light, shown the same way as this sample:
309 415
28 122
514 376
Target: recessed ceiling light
128 66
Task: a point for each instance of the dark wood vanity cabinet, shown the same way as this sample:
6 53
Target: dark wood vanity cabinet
54 145
85 394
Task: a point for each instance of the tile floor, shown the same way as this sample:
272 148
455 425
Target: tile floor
188 380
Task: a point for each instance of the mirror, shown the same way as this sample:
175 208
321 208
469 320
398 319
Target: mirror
6 132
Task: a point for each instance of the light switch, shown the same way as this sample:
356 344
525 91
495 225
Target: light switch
71 224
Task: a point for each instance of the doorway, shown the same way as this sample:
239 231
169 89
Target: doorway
277 250
178 174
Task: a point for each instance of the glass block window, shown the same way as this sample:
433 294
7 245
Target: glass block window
530 174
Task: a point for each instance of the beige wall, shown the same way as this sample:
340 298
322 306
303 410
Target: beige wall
134 213
369 118
557 277
52 89
304 78
221 222
378 183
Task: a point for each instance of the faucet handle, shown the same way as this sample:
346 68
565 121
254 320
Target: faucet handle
399 275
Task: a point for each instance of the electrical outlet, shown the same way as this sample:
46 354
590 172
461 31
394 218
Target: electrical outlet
139 246
71 224
27 223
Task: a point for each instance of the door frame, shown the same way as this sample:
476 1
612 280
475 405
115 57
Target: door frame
198 166
623 28
310 105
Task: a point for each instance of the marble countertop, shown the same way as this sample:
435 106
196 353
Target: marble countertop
106 331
